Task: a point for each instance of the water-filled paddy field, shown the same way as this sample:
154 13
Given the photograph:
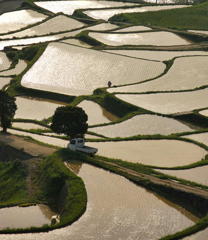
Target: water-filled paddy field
163 153
116 208
23 217
176 78
168 102
142 125
12 21
160 38
106 14
77 74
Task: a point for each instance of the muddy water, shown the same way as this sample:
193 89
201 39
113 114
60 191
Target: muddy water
163 153
151 38
142 124
24 217
198 174
168 102
117 209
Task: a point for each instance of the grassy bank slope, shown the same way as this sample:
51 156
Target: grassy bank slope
195 17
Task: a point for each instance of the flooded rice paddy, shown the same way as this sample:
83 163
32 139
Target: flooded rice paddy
54 25
20 67
150 38
25 217
27 126
12 21
108 13
167 103
134 29
102 27
176 78
4 62
34 109
4 81
198 236
204 112
118 209
68 7
76 42
77 74
157 55
200 137
142 125
162 153
94 111
198 175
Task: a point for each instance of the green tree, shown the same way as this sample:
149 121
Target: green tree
69 120
8 108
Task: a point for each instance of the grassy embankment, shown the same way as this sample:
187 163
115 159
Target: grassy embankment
195 17
56 186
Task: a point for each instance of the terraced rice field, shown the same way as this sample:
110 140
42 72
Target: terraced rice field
134 29
116 209
34 109
77 75
95 113
200 137
198 175
68 7
4 81
167 103
142 125
12 21
176 78
150 38
20 67
157 55
54 25
204 112
106 14
4 62
162 153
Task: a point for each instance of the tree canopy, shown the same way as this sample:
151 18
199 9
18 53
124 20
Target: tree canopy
69 120
8 108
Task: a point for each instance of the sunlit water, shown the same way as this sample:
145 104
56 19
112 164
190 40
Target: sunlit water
83 70
117 209
150 38
163 153
142 125
168 102
176 78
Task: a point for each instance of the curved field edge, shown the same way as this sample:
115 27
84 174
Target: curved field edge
61 189
190 201
194 17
